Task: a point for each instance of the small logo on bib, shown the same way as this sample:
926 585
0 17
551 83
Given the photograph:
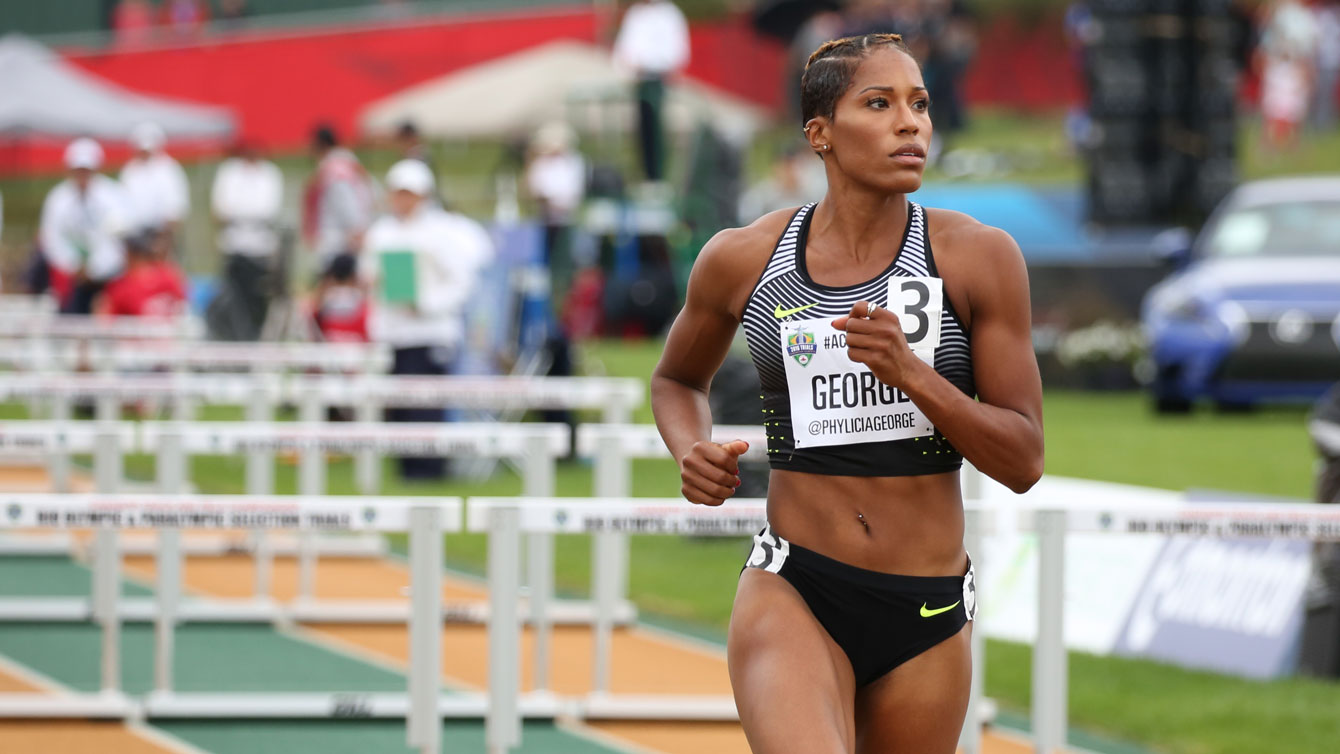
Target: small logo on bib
801 346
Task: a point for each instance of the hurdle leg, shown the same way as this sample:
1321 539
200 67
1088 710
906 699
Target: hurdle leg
424 726
260 472
106 591
368 462
538 481
171 480
107 460
609 558
311 482
58 463
502 724
970 738
1049 653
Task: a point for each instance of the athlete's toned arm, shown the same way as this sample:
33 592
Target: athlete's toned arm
696 346
1001 434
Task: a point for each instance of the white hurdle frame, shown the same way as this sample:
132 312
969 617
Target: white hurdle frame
506 518
425 519
261 393
536 447
614 447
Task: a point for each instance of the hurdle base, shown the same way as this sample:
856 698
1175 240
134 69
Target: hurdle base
343 705
693 707
145 610
108 705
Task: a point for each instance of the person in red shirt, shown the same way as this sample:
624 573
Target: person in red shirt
340 303
151 285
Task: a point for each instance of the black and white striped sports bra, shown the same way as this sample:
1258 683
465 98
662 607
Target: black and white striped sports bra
786 289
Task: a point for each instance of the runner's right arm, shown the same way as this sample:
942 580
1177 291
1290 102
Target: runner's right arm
694 350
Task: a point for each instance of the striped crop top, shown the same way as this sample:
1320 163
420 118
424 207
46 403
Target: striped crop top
785 321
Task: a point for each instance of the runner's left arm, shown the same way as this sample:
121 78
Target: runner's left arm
1001 432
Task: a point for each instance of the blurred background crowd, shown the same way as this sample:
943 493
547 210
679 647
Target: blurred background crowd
482 184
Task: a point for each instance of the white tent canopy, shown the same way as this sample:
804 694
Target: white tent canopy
42 94
564 80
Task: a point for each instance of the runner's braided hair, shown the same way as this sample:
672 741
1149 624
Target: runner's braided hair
830 69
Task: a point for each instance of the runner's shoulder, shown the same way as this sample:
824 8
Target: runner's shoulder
957 235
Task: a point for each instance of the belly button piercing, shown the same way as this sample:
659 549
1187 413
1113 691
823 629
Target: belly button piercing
861 517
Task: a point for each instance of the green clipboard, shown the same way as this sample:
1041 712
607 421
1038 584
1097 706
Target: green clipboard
399 278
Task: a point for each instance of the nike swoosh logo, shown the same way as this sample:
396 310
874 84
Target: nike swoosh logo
779 312
932 613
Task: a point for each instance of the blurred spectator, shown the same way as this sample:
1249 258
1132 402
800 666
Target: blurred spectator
338 203
951 37
409 143
233 14
1288 47
341 304
151 284
820 28
84 219
1328 64
155 184
420 264
796 178
246 199
556 180
132 22
653 42
185 18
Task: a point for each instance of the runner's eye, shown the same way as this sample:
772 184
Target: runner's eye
922 105
878 103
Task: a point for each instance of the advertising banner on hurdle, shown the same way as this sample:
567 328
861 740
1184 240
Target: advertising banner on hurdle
330 514
592 515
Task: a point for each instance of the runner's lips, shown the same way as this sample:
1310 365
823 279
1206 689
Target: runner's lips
910 153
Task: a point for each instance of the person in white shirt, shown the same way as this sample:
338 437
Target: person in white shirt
84 221
160 196
556 180
421 264
653 42
246 199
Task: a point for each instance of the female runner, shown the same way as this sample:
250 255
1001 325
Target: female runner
891 341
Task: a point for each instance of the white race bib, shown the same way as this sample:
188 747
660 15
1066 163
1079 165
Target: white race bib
837 401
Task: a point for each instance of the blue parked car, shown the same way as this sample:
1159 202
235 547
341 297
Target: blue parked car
1252 310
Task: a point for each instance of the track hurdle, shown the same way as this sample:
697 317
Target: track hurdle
615 399
505 519
535 447
425 520
1052 521
261 393
614 447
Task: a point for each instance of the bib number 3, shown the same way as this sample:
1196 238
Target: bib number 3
919 303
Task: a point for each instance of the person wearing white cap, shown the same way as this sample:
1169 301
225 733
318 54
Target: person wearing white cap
421 264
84 221
159 193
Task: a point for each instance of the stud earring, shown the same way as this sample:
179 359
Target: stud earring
825 147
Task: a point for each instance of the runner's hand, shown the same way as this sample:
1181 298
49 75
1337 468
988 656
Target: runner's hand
711 471
876 341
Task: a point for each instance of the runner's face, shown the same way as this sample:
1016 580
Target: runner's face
881 127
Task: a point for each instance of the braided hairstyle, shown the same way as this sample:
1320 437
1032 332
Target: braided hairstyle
830 69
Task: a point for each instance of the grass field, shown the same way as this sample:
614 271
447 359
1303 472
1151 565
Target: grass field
1109 436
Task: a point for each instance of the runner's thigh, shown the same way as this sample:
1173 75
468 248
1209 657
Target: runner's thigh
793 685
919 706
